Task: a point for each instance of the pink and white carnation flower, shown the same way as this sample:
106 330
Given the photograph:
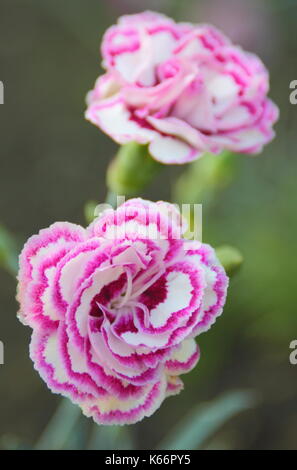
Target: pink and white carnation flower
183 89
115 308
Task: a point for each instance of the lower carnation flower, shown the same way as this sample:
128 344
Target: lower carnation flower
115 308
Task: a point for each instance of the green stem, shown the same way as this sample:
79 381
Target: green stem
129 173
205 177
131 170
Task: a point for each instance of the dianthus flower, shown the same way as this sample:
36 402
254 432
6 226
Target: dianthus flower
115 308
183 89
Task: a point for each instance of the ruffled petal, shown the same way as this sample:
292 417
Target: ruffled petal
132 48
113 117
38 261
47 351
114 411
170 150
184 358
216 284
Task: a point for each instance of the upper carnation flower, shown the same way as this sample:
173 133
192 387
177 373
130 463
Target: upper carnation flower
184 89
115 308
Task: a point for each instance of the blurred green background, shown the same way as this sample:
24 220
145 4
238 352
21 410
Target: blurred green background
53 161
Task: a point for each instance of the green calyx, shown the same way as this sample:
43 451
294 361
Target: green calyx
131 170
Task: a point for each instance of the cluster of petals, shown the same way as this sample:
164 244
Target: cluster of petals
183 89
115 308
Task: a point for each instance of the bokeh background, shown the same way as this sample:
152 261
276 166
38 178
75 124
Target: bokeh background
53 161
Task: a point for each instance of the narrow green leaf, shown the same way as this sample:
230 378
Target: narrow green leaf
8 251
206 419
110 438
60 427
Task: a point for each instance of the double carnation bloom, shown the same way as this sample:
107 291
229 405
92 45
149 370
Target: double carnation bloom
183 89
115 308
